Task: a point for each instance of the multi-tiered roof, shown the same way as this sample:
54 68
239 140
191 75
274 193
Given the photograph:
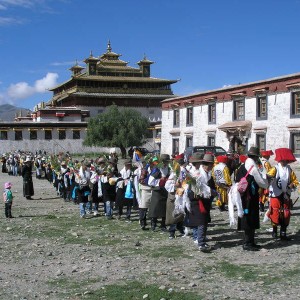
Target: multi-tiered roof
107 79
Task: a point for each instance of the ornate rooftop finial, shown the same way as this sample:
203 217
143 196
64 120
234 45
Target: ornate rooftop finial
91 54
145 58
108 46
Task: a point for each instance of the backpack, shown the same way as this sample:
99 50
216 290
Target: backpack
243 183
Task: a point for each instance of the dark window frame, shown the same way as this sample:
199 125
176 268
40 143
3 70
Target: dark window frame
18 135
62 135
210 138
76 134
235 115
32 134
3 135
259 99
176 117
189 141
258 143
189 116
293 113
292 142
212 113
175 140
48 134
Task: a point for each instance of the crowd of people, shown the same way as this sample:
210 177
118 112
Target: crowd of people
171 193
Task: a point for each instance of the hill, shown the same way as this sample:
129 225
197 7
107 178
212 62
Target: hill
8 112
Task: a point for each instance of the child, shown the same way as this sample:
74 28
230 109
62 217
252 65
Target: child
8 199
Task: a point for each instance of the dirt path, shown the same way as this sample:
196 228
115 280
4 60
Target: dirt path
48 252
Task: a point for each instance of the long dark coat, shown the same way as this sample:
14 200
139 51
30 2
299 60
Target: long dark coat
250 201
196 217
28 190
158 203
169 211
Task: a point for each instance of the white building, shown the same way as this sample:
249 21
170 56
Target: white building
263 113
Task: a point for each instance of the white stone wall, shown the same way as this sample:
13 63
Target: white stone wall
277 133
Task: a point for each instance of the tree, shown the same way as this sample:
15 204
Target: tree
117 128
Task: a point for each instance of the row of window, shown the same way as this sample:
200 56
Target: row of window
260 142
239 110
33 135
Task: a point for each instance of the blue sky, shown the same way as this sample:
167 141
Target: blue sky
205 44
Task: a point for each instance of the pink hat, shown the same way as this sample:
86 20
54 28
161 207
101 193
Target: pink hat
7 185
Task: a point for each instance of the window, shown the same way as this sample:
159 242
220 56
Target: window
212 113
76 134
189 141
239 110
18 135
295 143
261 101
295 107
189 116
48 134
61 134
211 140
3 135
175 146
176 118
261 141
33 134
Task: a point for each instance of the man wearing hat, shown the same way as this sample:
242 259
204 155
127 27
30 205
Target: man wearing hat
121 185
250 198
283 182
26 173
157 208
221 176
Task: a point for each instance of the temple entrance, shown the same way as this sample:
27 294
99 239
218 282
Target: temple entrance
237 144
237 133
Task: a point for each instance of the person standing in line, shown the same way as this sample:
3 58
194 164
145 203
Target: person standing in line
8 199
28 189
145 191
250 198
222 178
266 166
284 180
174 209
158 203
121 185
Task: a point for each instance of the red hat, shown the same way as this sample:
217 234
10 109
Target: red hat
179 156
243 158
222 159
284 154
266 152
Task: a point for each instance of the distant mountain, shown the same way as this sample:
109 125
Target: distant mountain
8 112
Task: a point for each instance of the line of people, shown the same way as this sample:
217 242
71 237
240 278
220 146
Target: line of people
178 194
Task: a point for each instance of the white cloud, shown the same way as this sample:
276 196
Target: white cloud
42 85
20 90
21 3
23 90
63 63
10 21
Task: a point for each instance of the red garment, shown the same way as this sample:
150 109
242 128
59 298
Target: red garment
285 154
222 159
278 214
